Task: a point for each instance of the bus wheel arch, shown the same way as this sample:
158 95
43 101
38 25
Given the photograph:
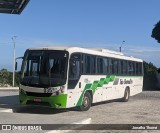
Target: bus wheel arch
126 94
87 101
91 94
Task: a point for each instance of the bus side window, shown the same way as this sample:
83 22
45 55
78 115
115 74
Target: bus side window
115 66
74 71
134 68
130 68
100 65
140 68
110 66
106 66
137 71
93 64
123 67
119 67
87 64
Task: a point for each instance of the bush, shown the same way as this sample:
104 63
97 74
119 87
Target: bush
6 78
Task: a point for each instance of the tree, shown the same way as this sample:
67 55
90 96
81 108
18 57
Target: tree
150 80
6 78
156 32
158 70
149 68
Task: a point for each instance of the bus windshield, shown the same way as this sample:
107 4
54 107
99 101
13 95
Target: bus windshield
44 68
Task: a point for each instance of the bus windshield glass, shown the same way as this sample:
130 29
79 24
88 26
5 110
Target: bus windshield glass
44 68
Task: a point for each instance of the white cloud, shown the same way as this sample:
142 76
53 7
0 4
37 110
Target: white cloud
144 50
149 54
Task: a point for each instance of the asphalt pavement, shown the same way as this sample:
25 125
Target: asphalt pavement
140 109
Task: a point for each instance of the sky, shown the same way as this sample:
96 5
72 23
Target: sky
83 23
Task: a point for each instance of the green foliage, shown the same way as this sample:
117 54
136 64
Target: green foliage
149 68
6 78
151 77
156 32
158 70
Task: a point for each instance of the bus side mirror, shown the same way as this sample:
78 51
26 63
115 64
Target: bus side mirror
16 66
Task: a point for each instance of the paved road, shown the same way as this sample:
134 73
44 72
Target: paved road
143 108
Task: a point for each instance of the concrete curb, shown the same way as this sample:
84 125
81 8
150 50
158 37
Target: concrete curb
9 88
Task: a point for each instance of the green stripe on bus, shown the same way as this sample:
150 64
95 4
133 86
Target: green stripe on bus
88 86
100 83
93 87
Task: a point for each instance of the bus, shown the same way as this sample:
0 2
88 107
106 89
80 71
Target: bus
66 77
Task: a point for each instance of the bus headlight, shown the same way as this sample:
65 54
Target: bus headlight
59 91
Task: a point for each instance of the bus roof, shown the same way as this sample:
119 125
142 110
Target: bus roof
93 51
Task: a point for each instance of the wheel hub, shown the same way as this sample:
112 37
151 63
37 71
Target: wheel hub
85 101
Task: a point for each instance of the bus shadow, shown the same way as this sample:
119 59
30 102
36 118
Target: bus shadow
115 100
38 110
12 103
107 102
47 110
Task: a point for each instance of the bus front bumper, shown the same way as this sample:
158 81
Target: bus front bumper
58 101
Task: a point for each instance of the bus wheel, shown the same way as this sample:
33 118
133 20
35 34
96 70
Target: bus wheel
126 95
86 103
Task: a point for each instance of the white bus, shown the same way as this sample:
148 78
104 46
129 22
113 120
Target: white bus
65 77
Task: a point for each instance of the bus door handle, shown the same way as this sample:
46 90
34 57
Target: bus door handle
79 84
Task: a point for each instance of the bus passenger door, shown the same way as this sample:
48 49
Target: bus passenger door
74 83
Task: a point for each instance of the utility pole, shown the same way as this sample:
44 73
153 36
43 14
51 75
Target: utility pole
120 48
14 54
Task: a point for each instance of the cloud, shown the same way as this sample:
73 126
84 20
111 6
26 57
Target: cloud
144 50
149 54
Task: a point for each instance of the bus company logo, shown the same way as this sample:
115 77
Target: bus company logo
126 81
6 127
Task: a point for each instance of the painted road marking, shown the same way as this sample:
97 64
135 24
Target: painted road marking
7 110
85 121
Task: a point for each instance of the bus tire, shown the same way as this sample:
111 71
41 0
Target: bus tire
126 95
86 103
